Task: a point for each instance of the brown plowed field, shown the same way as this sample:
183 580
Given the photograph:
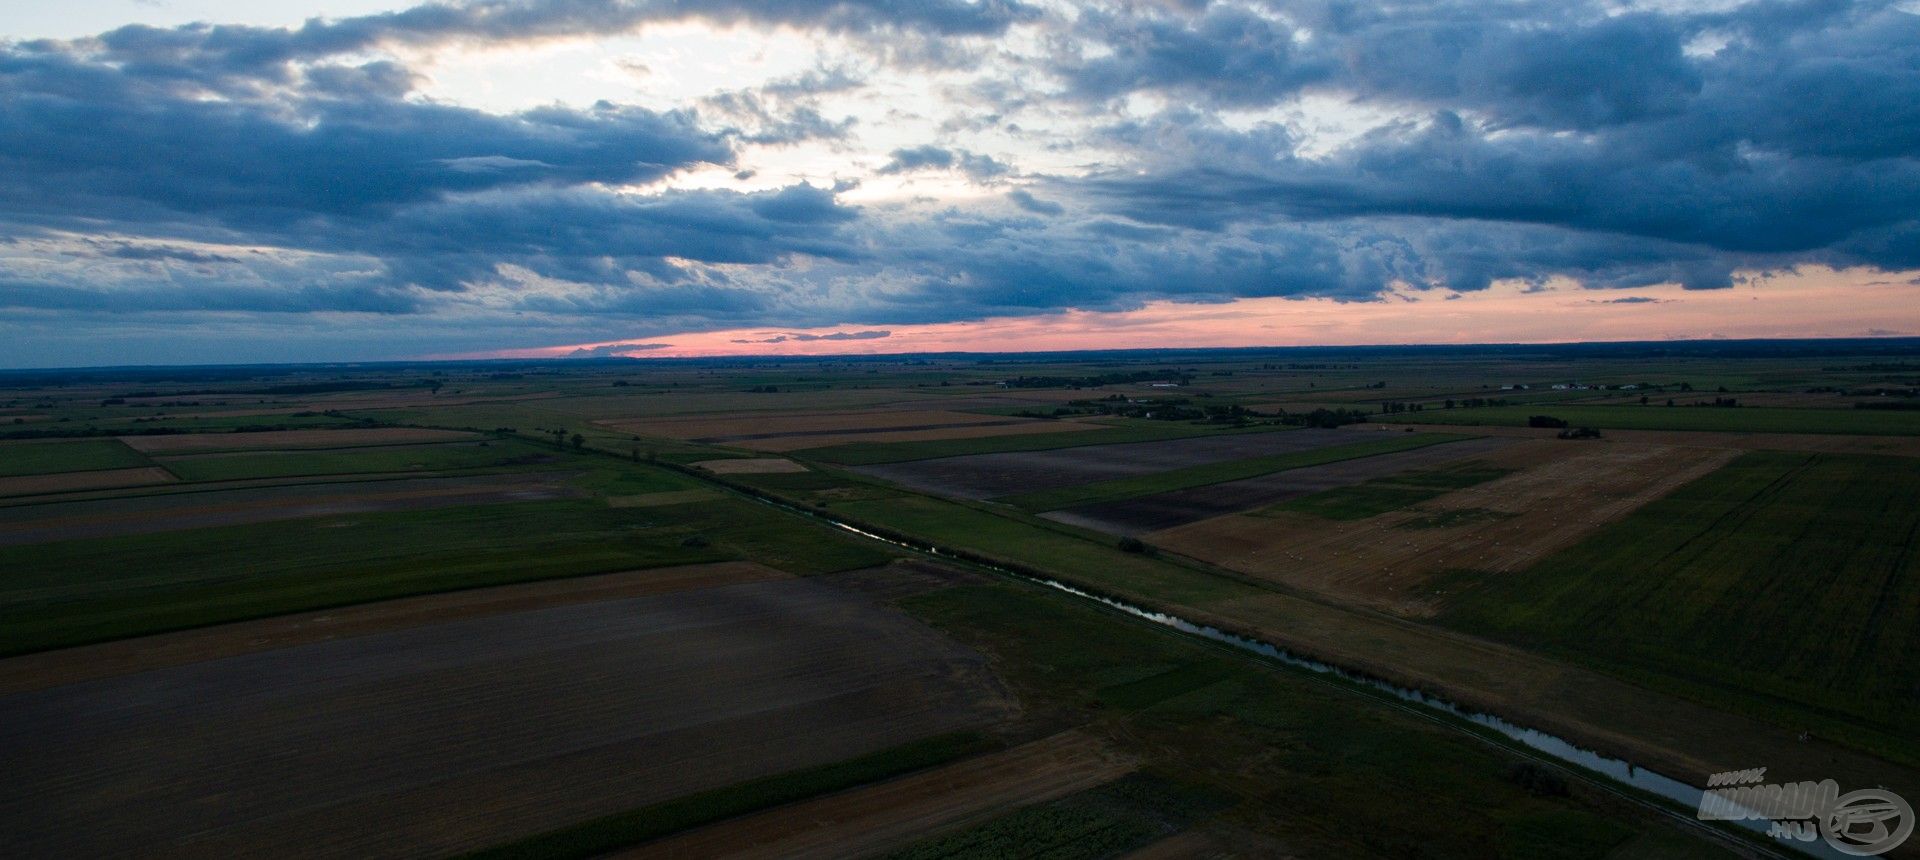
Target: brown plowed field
985 476
1899 446
106 479
1179 507
458 734
184 442
97 518
898 812
1561 492
129 656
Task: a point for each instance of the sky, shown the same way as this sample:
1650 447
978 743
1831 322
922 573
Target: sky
200 181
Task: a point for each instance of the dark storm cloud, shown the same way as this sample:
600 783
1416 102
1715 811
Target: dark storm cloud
224 55
1517 141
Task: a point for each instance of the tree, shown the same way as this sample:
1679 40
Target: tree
579 441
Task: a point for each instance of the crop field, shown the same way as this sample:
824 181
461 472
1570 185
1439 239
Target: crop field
1152 511
986 476
1105 432
283 439
898 812
1781 581
1383 549
82 455
1743 419
578 608
1355 447
563 714
68 482
796 431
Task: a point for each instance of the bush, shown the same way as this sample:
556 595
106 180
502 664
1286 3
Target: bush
1537 780
1134 545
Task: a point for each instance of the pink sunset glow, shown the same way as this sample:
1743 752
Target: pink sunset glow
1810 303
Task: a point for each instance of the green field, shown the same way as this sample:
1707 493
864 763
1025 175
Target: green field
73 592
602 835
1099 822
1783 585
1391 493
346 461
1215 473
80 455
872 453
1358 778
1744 419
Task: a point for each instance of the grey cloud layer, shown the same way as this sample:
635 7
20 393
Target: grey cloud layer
1524 141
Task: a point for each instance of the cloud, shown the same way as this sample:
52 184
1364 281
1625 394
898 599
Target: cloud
1027 201
209 178
804 337
1629 300
978 167
616 350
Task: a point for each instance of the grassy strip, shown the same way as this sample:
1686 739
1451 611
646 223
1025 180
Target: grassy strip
873 453
1215 473
1745 419
87 455
601 835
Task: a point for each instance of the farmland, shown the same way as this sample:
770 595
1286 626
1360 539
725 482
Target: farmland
1784 578
574 608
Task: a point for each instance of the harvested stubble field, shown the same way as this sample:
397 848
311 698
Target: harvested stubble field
985 476
1558 492
459 734
1151 513
180 443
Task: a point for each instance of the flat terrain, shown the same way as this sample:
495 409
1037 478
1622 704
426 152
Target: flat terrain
751 466
281 439
1556 492
892 813
461 733
1744 419
1899 446
1784 578
66 482
150 514
795 431
985 476
1179 507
